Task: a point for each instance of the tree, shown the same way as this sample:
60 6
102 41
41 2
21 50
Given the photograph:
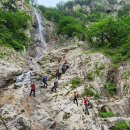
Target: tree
10 5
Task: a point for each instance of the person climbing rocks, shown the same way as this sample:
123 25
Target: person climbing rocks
86 104
33 89
45 79
65 66
53 89
58 74
75 97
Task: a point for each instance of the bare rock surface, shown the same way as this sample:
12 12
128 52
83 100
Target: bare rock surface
56 111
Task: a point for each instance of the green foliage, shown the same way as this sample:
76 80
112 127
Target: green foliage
106 114
68 25
90 92
90 76
109 34
76 82
10 5
51 14
12 26
102 30
122 126
125 11
97 95
126 75
27 1
111 88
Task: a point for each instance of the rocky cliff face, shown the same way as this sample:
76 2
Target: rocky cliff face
56 111
90 6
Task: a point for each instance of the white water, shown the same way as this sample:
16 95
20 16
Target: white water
41 49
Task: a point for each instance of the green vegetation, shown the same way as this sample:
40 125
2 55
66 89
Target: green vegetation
10 5
90 92
106 114
126 75
111 34
105 33
111 88
122 126
12 26
90 76
76 82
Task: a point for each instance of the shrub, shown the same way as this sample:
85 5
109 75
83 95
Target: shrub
12 27
106 114
97 95
90 92
51 14
69 26
111 88
76 82
122 126
90 76
111 33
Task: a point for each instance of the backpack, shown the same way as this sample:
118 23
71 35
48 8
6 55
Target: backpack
44 79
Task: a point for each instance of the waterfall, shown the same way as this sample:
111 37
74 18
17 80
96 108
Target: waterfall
41 45
41 49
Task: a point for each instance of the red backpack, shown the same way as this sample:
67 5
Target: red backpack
33 87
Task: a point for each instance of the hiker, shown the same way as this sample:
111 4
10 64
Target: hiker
63 69
53 89
58 74
86 104
65 66
75 97
45 79
33 88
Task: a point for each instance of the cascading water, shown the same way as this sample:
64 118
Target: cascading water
41 49
41 46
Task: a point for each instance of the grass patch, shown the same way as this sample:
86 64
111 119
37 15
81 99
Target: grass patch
90 92
97 95
2 55
76 82
122 126
111 88
106 114
90 76
126 75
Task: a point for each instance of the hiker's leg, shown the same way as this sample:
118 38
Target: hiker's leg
52 89
34 93
46 85
76 101
87 110
55 88
30 93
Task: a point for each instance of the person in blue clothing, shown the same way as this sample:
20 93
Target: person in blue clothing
65 66
45 79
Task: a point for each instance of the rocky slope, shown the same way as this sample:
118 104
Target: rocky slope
57 111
